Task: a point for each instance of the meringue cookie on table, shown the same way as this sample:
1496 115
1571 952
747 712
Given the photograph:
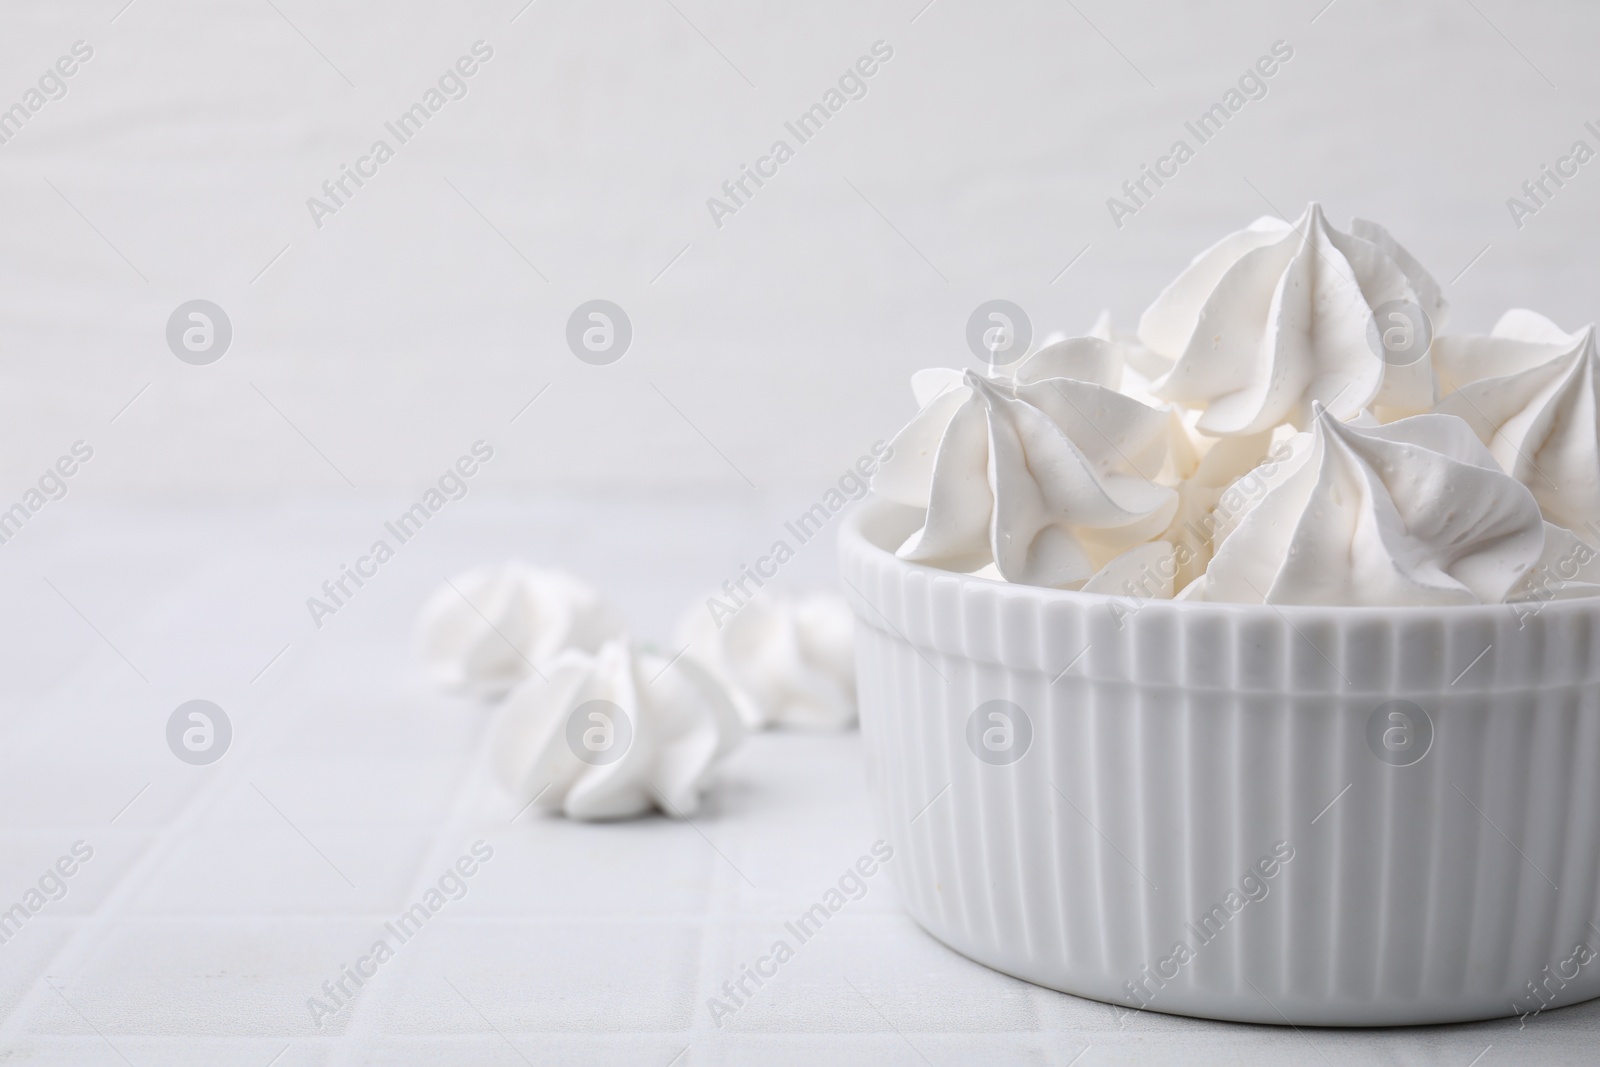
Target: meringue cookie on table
1048 475
614 734
1277 316
484 631
1414 512
1531 393
785 662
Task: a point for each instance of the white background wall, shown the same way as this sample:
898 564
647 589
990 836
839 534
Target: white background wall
406 327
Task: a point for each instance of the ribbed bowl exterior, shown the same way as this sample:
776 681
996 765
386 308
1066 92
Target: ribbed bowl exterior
1181 751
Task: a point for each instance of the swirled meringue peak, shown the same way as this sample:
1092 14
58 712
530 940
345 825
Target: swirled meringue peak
786 662
614 734
484 631
1531 393
1279 316
1047 475
1414 512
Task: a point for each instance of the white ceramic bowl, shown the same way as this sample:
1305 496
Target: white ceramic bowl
1233 779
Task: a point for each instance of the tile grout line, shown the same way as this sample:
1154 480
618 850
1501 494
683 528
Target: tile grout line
720 908
446 845
165 840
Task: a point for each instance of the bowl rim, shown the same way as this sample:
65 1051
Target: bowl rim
855 539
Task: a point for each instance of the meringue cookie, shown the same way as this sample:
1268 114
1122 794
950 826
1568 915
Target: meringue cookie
1568 567
1415 512
1140 368
1275 317
485 631
1531 393
907 475
1048 476
1198 524
1143 365
614 734
784 662
1147 570
1239 497
1084 359
1190 534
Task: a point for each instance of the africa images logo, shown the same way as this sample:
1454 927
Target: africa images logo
999 732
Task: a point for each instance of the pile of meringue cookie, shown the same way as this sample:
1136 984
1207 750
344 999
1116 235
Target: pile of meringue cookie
1285 428
591 725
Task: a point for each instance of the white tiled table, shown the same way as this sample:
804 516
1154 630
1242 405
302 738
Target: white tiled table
222 897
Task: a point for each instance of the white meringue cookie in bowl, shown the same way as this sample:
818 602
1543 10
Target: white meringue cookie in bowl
1316 814
786 662
485 631
1568 567
614 734
1413 513
1141 365
1279 315
1531 392
1048 475
1329 662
